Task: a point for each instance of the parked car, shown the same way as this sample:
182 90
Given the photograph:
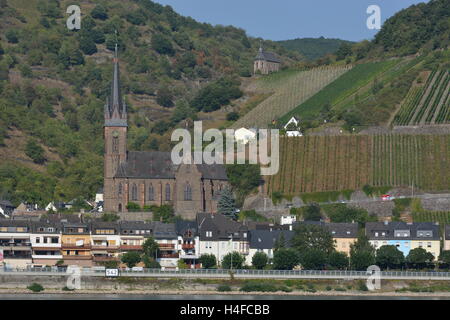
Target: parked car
386 197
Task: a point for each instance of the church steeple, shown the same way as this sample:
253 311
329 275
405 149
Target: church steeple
115 107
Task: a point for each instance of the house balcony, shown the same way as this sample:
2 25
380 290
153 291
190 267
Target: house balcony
169 255
46 246
166 246
189 256
104 247
186 246
71 246
75 257
130 247
47 256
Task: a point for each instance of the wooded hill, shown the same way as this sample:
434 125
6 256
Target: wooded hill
314 48
54 83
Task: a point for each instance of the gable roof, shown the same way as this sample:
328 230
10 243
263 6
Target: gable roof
266 239
267 56
159 165
411 230
337 229
220 226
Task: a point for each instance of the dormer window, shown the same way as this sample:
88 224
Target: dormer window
208 234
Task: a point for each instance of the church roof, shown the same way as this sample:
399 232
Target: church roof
115 108
267 56
159 165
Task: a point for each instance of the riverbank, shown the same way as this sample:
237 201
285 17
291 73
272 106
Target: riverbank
193 294
192 288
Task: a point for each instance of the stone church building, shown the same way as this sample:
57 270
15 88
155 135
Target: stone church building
151 178
266 62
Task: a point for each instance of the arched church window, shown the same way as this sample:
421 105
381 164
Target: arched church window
167 192
115 142
120 189
187 192
151 193
134 192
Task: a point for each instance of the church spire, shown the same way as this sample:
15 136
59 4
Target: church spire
115 108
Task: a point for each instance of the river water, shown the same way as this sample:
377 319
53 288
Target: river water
49 296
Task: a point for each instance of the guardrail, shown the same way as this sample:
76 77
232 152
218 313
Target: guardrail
241 273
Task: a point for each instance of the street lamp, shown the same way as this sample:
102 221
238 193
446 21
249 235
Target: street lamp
231 266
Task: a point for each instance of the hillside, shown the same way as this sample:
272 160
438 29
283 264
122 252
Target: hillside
424 26
313 48
285 90
54 83
349 162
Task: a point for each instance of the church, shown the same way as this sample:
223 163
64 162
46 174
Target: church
151 178
266 62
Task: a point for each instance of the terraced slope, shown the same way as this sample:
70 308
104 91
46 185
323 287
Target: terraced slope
337 163
289 90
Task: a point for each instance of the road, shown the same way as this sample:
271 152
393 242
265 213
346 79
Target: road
245 274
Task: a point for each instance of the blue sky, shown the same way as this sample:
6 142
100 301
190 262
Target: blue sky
289 19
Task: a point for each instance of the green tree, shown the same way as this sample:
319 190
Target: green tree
99 12
244 178
131 258
87 45
150 247
226 204
285 259
150 262
312 212
12 36
233 257
362 253
164 97
162 44
338 260
208 261
389 257
313 259
309 236
344 50
280 242
259 260
164 213
35 151
444 258
419 258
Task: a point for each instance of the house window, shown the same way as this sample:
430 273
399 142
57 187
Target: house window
429 244
115 144
187 192
167 192
134 193
151 193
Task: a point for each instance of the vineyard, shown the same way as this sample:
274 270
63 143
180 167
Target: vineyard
337 163
436 216
289 89
428 103
342 88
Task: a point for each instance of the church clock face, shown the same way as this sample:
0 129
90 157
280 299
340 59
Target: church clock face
115 134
